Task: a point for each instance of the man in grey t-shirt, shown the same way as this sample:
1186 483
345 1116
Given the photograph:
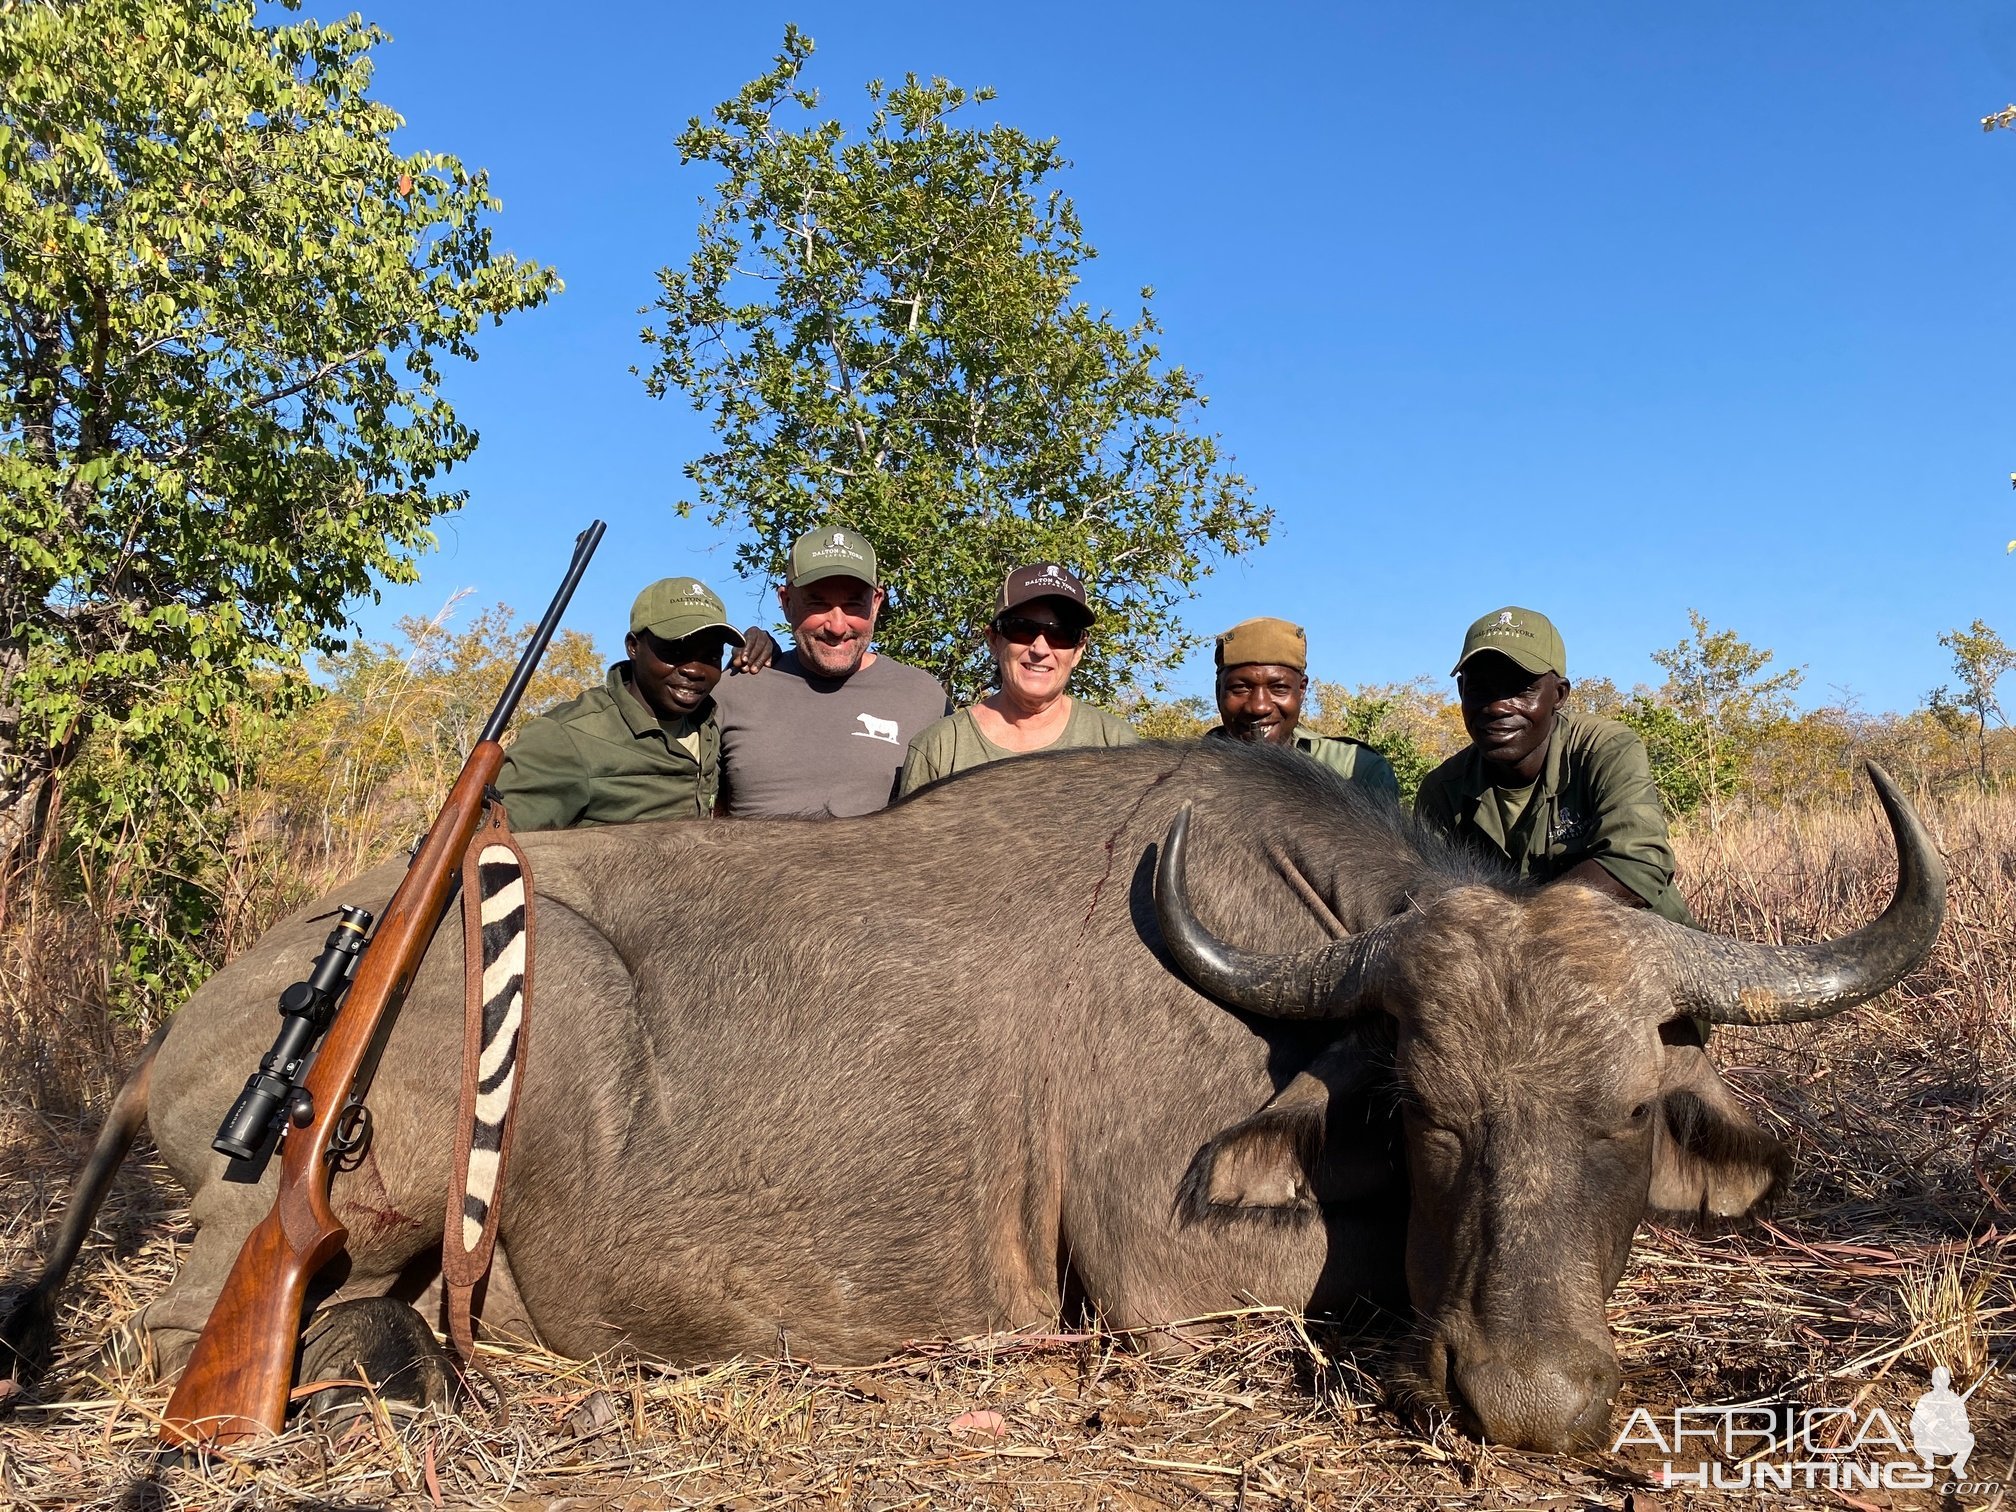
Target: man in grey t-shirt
824 731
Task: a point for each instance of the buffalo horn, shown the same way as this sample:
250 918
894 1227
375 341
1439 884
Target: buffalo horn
1732 982
1324 981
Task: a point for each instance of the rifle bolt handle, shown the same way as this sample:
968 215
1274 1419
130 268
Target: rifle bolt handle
300 1108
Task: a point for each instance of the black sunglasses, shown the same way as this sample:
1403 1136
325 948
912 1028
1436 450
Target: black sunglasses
1018 630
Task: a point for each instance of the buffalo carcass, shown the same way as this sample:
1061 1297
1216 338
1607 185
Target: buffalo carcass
830 1086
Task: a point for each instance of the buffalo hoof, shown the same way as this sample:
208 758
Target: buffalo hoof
27 1337
379 1340
131 1351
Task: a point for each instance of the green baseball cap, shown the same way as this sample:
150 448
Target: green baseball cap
1527 637
831 551
674 608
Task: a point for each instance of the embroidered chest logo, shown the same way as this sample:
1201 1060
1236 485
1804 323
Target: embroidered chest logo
1570 828
877 729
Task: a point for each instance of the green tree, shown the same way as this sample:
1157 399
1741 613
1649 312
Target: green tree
1595 695
1718 706
1170 719
224 304
1673 746
1981 659
883 331
1414 725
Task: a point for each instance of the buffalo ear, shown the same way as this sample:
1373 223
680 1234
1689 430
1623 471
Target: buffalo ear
1271 1167
1709 1158
1261 1168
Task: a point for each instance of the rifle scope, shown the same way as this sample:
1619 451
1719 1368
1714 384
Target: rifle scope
305 1011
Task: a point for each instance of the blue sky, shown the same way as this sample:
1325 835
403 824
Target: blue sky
1609 310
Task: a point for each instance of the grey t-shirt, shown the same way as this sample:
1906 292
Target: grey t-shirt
796 746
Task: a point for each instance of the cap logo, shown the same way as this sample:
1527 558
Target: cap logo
696 591
1053 571
1505 618
835 545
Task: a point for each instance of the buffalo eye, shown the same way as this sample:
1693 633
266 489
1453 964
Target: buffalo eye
1641 1114
1447 1143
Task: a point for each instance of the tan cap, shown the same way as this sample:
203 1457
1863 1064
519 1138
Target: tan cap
1526 637
1269 642
831 551
1043 580
674 608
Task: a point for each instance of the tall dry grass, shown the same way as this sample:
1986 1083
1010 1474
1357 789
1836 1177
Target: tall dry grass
1928 1115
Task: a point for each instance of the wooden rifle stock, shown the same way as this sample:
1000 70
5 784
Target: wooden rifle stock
236 1384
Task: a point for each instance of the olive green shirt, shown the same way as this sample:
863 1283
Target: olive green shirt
1348 758
1594 800
955 743
605 758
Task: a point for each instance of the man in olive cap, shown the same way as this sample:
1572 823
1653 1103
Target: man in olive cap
645 744
824 731
1562 796
1263 672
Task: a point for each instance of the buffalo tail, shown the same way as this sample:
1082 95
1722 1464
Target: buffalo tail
28 1329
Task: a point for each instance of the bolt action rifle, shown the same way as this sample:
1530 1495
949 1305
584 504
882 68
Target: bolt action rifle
236 1383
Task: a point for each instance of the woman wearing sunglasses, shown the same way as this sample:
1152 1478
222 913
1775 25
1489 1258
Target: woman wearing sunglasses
1037 635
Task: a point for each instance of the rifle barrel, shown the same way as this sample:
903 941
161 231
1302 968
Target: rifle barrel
528 662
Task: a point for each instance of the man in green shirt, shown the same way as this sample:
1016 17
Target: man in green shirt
1561 796
644 745
1263 672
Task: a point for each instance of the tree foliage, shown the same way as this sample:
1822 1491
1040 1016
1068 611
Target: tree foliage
1719 703
1184 718
365 768
1413 724
321 786
884 331
224 305
1981 659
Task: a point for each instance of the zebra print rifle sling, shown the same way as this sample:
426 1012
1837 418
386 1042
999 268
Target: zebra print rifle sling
497 957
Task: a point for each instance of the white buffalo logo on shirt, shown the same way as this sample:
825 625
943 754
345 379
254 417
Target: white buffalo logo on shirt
878 729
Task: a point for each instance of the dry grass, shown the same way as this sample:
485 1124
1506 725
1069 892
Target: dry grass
59 1049
1894 1251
